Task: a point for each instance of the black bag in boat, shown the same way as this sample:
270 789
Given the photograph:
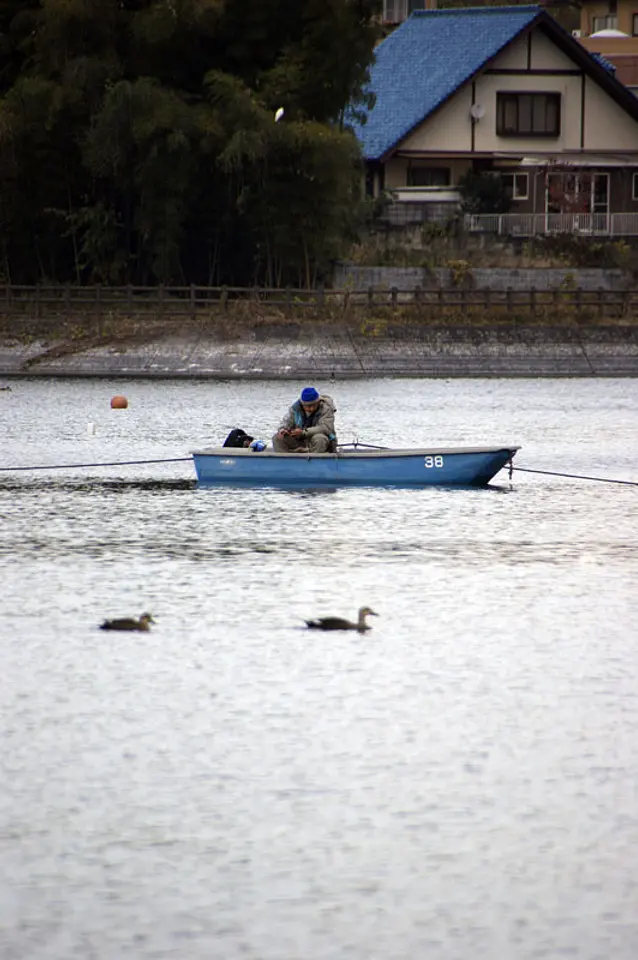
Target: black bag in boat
237 438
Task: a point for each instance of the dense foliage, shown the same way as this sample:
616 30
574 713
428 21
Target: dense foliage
483 192
138 140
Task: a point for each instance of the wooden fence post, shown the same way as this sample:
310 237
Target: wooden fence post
42 301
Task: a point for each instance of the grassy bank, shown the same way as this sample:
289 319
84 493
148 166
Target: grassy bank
380 314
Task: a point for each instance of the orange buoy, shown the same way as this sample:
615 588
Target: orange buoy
118 402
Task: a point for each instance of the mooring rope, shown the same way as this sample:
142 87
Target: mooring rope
573 476
113 463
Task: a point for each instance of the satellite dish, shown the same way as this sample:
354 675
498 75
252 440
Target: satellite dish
477 111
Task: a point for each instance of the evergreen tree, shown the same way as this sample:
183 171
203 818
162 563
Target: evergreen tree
138 140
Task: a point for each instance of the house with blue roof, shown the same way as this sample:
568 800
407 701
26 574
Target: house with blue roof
504 92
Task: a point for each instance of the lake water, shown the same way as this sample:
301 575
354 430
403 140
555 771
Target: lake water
459 783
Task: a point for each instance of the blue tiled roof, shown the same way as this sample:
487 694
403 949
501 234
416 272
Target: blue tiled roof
604 62
425 60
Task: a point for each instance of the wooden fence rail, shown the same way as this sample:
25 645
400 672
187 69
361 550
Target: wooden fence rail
50 301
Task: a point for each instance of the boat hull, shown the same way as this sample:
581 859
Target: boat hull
469 467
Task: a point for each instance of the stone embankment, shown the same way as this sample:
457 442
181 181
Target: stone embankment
304 351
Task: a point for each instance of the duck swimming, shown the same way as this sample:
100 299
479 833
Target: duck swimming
129 623
338 623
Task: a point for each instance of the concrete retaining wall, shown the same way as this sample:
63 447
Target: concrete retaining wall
348 275
322 352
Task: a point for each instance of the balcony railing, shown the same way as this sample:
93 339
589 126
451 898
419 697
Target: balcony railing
535 224
414 205
426 194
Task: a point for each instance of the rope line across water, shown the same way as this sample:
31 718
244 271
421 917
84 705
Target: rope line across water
114 463
574 476
131 463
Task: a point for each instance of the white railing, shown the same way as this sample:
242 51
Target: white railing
624 224
533 224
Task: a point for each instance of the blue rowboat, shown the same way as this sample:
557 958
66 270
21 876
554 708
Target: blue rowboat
435 466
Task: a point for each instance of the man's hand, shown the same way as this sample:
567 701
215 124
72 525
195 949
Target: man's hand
297 432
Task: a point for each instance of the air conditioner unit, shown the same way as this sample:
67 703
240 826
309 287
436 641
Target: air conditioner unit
577 33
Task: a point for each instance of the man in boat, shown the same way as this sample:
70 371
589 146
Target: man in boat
309 425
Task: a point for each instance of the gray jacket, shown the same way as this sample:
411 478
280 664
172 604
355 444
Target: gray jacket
321 421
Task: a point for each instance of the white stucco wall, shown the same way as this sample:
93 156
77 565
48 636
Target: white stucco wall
607 126
449 130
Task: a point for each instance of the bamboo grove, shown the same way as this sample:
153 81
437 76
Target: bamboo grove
139 145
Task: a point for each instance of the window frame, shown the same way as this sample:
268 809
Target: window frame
634 25
429 186
634 185
608 21
516 176
502 98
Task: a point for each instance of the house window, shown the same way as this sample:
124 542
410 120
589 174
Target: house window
429 177
516 185
610 22
528 114
396 11
634 186
634 25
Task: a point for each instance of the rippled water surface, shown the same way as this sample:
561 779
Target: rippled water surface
458 784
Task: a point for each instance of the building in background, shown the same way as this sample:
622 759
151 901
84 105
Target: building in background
610 27
504 92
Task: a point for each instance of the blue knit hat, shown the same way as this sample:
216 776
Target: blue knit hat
309 395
